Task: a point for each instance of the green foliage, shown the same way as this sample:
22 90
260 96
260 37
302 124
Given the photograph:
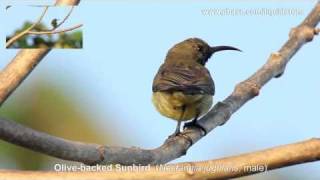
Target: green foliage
62 40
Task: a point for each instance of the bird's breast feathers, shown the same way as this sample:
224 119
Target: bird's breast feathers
180 106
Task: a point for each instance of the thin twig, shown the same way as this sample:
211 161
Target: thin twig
225 168
23 33
51 31
64 19
56 31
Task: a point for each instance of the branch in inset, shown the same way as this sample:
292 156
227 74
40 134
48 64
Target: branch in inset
23 33
64 19
42 32
56 31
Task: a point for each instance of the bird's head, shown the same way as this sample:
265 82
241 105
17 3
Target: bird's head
195 49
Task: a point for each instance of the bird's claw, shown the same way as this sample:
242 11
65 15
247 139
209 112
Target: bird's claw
174 135
195 124
180 134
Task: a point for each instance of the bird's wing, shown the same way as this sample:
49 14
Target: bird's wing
188 78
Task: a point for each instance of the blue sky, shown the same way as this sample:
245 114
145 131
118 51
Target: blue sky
125 43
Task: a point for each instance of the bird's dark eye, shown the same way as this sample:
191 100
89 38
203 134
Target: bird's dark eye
199 48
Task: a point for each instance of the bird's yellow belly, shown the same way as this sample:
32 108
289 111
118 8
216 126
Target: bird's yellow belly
171 105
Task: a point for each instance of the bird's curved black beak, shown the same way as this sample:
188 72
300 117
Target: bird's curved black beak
223 48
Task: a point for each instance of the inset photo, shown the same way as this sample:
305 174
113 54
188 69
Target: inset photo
40 26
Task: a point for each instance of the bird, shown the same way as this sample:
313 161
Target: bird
183 87
54 23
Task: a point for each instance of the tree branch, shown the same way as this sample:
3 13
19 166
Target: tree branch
18 69
56 31
225 168
53 30
64 19
23 33
176 146
54 146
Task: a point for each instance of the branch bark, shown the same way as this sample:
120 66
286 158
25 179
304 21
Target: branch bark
75 151
225 168
18 69
176 146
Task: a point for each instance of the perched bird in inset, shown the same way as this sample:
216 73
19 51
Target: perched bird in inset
183 87
54 23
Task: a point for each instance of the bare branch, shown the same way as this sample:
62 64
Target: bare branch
225 168
52 31
56 31
23 33
19 68
54 146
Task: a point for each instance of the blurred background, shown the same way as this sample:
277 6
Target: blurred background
102 93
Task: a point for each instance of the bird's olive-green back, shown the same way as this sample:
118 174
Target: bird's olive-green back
186 76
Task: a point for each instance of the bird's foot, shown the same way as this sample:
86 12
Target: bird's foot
176 133
180 134
195 124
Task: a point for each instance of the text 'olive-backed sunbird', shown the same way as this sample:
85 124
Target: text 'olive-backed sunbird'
183 87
